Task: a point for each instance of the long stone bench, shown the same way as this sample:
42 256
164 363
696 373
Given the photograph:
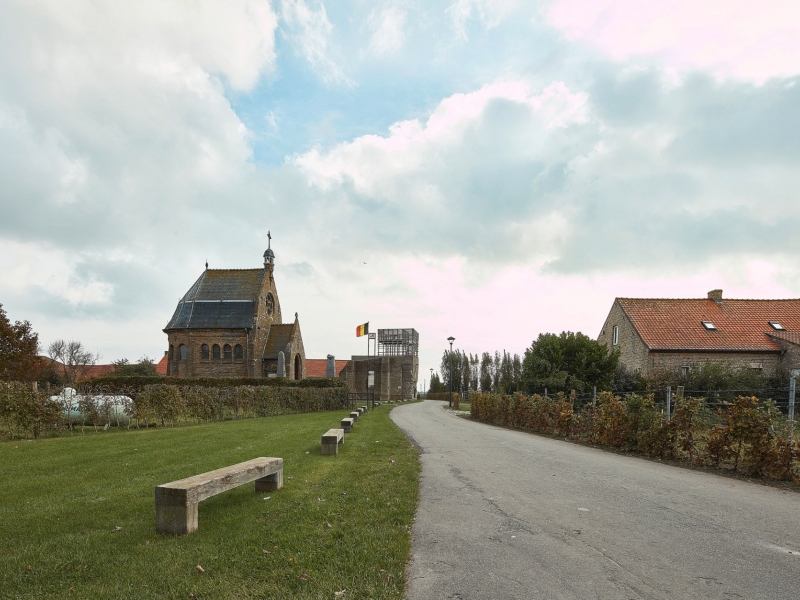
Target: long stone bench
347 424
176 502
331 440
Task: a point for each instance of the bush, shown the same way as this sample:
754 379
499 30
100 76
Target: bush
745 435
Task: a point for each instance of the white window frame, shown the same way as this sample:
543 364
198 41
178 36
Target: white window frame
709 326
615 335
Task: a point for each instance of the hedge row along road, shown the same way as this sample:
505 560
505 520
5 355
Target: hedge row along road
507 514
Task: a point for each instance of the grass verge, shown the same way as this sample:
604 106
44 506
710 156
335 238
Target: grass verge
77 514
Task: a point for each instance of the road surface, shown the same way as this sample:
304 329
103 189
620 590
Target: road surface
505 514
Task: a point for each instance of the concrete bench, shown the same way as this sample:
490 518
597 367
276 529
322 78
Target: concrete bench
176 502
347 424
331 440
360 410
354 415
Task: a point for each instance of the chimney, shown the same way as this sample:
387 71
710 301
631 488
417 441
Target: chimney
716 296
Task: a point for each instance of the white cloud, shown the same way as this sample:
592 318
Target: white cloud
731 38
310 31
371 162
490 13
388 29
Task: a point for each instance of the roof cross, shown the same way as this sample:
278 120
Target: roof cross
269 239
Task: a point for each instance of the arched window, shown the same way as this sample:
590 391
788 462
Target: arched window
204 352
238 354
171 352
226 351
183 351
215 351
298 370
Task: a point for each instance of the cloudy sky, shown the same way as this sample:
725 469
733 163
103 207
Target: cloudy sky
487 169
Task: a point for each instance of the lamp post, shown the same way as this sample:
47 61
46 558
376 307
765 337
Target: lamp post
431 380
451 339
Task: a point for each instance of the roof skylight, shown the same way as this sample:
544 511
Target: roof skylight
709 325
777 326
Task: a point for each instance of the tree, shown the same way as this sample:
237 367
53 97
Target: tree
144 366
73 356
487 372
437 386
19 346
570 361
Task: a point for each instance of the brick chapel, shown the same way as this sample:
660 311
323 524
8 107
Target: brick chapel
229 325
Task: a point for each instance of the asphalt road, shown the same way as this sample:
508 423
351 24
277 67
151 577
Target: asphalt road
505 514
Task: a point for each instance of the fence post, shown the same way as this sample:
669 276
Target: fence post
791 401
594 395
669 402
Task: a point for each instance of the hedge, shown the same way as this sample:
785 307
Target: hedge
27 413
745 435
113 381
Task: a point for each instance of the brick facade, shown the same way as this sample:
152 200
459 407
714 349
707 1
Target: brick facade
224 324
395 376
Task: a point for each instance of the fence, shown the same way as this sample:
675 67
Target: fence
27 412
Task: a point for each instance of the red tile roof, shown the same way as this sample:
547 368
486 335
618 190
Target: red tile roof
676 324
791 337
316 367
161 366
90 371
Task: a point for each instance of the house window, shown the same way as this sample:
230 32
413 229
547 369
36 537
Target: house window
204 354
685 371
215 352
226 351
183 352
777 326
238 354
709 325
615 335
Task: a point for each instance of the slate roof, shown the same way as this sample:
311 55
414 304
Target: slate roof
279 336
219 299
742 325
317 367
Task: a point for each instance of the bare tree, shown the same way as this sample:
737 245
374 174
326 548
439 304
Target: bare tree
73 356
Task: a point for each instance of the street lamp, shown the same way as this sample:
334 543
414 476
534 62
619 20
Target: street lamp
451 339
431 385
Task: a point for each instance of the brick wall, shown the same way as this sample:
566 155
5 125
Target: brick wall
767 362
633 351
395 376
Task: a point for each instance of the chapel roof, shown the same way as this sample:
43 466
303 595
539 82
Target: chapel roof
738 325
219 299
279 338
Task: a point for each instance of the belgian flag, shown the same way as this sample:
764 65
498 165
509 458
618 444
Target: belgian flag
362 329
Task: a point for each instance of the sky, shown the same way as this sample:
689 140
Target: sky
487 170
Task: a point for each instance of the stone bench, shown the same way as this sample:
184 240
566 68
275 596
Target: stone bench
176 502
347 424
360 410
331 440
354 415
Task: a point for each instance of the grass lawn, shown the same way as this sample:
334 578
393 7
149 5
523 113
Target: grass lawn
77 513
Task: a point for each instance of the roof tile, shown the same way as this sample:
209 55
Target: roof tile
676 324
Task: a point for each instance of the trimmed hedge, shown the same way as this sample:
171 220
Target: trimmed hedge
25 413
113 381
746 435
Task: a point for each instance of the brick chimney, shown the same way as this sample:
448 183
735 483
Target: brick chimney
715 295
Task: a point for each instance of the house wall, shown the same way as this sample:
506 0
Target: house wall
633 352
766 361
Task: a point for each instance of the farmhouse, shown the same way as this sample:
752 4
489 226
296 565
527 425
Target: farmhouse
653 334
229 324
